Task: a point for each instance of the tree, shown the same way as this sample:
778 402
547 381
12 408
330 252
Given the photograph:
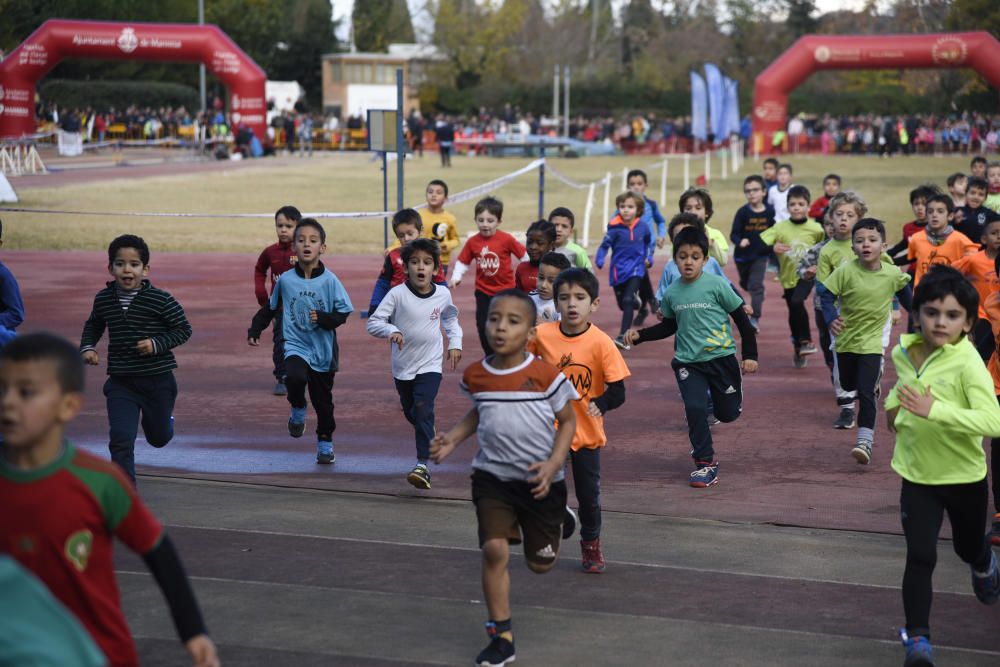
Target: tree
378 23
800 17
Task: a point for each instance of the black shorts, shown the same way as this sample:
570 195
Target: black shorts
508 510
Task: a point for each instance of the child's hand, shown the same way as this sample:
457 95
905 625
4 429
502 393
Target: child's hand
593 410
662 241
917 402
649 264
809 273
313 317
253 342
202 651
441 447
896 317
745 243
91 358
959 216
749 366
543 480
747 309
837 326
454 357
631 336
454 283
890 418
781 248
144 347
397 338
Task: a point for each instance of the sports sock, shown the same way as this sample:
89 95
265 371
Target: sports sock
865 433
504 629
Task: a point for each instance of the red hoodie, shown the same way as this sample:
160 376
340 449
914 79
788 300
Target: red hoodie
279 258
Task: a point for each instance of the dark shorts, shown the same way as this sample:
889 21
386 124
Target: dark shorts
507 510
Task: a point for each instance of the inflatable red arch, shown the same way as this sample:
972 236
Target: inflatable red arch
976 50
58 39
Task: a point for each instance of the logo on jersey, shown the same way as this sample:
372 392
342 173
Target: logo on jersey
435 315
78 548
580 376
489 262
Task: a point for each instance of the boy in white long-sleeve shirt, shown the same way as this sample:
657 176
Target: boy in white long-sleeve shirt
411 316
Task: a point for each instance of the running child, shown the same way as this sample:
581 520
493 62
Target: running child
518 484
632 250
770 172
493 251
938 242
777 195
11 304
564 221
698 308
671 273
699 202
312 303
940 408
993 179
594 366
144 325
275 260
66 506
407 226
651 217
751 253
977 167
831 186
791 239
979 269
971 219
552 264
957 184
538 240
412 316
865 289
437 223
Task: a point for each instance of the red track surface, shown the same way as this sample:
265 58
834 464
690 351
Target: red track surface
781 462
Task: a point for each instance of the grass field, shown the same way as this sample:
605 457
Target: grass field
353 182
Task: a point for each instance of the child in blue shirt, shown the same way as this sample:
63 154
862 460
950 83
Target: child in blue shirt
631 245
671 273
11 305
313 303
651 217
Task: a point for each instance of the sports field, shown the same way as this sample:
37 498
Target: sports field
353 182
794 558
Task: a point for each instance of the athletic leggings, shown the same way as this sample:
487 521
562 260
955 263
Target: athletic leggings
798 316
626 294
922 509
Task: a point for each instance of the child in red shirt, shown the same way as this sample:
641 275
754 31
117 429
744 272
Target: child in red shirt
62 506
539 240
493 252
277 258
407 225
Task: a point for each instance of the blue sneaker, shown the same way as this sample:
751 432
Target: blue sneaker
297 422
918 651
987 588
705 475
324 452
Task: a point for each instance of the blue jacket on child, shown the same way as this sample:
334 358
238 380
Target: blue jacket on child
631 247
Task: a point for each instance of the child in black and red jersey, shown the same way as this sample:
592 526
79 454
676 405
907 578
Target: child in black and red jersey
407 226
277 258
493 251
62 506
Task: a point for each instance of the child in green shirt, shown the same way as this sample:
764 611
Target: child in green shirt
940 409
865 288
564 221
792 239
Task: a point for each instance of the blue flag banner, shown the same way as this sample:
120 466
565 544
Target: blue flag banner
732 107
699 108
716 100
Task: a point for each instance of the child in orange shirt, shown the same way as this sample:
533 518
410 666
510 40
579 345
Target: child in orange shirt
991 305
593 364
979 270
938 242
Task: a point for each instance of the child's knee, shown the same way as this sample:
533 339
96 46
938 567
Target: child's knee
495 552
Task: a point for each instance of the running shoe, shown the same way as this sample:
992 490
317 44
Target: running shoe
324 452
918 651
987 586
622 345
297 422
499 652
846 418
420 477
279 388
862 452
593 559
705 475
807 347
569 523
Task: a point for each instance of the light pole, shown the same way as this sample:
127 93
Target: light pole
201 67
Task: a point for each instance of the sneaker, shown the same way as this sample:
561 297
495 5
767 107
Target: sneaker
420 477
498 653
279 388
622 345
846 418
987 588
799 361
324 452
640 317
593 559
706 474
713 420
755 323
995 533
806 347
569 523
862 452
297 422
918 651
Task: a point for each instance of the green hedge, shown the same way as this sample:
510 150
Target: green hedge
104 94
